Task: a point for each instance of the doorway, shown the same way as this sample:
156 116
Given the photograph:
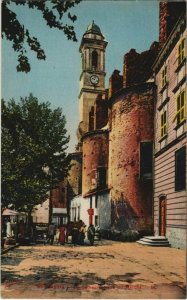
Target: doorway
162 216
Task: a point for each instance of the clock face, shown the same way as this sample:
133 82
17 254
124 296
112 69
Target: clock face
94 79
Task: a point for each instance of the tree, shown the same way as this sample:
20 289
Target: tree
52 12
34 140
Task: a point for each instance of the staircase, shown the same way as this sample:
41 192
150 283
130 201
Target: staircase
154 241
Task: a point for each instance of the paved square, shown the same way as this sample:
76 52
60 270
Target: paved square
107 270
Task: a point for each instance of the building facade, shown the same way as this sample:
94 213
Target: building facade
40 212
130 162
92 136
58 204
170 133
131 143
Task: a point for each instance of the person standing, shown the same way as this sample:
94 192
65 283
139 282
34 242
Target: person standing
62 235
51 233
81 235
91 234
8 229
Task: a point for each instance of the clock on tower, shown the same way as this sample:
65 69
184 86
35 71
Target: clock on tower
92 78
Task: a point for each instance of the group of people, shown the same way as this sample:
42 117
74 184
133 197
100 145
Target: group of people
61 234
13 231
77 230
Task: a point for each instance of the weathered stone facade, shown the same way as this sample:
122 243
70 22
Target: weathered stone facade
132 123
170 11
75 175
137 66
115 83
92 51
118 137
95 156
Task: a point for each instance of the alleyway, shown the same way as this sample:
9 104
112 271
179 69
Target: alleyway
107 270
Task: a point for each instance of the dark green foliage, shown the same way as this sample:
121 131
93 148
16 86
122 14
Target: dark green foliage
34 143
129 236
18 35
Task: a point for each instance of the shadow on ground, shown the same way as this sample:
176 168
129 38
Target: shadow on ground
58 278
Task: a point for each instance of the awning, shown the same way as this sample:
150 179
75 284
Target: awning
59 210
10 212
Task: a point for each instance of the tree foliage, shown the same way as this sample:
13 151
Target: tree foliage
52 12
34 143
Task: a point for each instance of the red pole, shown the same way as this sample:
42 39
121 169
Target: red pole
90 213
90 219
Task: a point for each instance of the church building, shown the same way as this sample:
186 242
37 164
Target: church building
128 172
115 130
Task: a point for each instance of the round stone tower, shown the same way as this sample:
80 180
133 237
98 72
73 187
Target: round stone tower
130 157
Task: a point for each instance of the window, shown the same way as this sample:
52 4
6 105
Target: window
78 213
163 124
180 169
101 177
94 59
96 220
96 201
90 201
181 51
146 160
164 76
181 107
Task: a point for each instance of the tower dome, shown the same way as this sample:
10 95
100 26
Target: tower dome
93 28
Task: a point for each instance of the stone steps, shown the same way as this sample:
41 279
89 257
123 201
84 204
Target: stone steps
154 241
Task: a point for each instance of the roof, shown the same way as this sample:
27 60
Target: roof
10 212
93 28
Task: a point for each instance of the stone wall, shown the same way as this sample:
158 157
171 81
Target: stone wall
137 66
101 113
104 211
95 154
169 14
132 123
177 237
115 83
75 175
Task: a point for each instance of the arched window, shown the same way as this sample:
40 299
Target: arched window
94 59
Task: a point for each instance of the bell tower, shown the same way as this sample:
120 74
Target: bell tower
92 78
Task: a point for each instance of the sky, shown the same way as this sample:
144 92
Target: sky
125 25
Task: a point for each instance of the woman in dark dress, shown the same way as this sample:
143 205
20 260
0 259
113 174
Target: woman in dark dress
62 235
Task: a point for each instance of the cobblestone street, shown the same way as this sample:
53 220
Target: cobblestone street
107 270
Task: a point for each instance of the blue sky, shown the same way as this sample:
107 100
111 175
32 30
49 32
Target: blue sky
125 25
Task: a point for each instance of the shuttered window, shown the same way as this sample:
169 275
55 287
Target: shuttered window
163 124
181 51
101 177
180 169
164 76
181 107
